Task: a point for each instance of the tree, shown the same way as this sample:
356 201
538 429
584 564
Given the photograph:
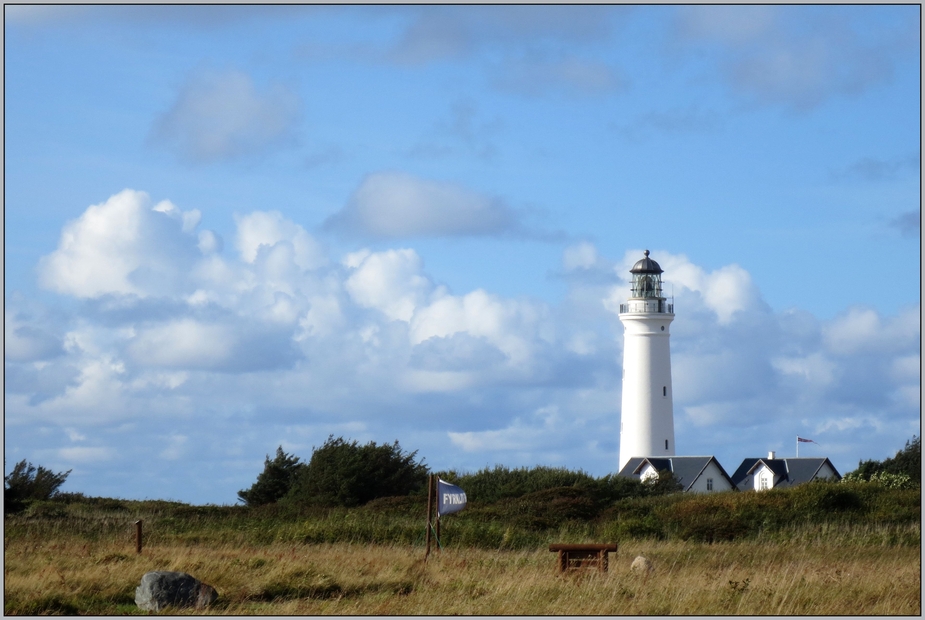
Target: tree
274 481
27 482
342 473
663 484
907 461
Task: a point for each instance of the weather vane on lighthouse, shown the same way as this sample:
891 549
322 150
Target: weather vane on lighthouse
647 416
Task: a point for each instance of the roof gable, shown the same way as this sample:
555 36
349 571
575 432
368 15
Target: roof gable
686 469
778 466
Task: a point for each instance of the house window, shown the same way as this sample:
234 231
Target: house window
763 482
709 484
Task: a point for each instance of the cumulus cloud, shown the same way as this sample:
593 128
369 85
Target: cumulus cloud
25 342
388 281
395 205
515 327
280 344
124 245
725 291
262 231
220 116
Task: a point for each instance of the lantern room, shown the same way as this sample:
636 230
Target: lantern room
646 289
647 279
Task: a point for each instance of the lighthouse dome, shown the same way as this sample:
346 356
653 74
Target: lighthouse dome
646 265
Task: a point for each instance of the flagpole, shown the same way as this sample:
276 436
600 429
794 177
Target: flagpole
430 499
798 446
439 544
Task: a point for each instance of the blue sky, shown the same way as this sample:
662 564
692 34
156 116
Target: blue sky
232 228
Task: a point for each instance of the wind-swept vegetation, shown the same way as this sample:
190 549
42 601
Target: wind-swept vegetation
849 547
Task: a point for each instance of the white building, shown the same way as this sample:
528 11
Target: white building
760 474
646 416
695 474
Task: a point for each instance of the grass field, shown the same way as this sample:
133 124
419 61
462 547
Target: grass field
773 554
750 577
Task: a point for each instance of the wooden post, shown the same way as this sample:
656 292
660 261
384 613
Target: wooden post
430 506
439 544
138 536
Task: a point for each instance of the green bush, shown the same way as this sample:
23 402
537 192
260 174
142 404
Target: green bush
30 483
907 462
342 473
274 482
488 486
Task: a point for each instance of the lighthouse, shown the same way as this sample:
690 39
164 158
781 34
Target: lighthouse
647 416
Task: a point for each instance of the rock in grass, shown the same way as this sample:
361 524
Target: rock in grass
161 588
642 565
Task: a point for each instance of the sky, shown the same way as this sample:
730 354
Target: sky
233 228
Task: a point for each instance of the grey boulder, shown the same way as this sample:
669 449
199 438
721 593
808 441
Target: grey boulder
161 588
642 564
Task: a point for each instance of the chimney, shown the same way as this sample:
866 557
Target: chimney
771 454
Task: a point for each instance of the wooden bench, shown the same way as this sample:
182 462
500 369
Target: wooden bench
583 556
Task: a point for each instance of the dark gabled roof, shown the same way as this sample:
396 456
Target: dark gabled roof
805 469
686 469
630 467
739 475
778 466
660 463
792 471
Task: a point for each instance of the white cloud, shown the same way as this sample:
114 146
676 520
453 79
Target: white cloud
263 231
529 433
279 335
395 205
581 255
183 344
122 246
511 326
388 281
862 330
25 343
814 369
222 116
726 291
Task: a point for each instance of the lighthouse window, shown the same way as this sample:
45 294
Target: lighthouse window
666 444
664 390
663 328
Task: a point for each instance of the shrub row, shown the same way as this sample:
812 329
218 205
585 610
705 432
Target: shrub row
573 513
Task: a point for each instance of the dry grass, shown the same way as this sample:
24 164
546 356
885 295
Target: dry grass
807 578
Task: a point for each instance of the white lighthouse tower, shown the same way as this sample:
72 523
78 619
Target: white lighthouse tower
646 417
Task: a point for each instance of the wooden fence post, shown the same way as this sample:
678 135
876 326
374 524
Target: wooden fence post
138 536
430 498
